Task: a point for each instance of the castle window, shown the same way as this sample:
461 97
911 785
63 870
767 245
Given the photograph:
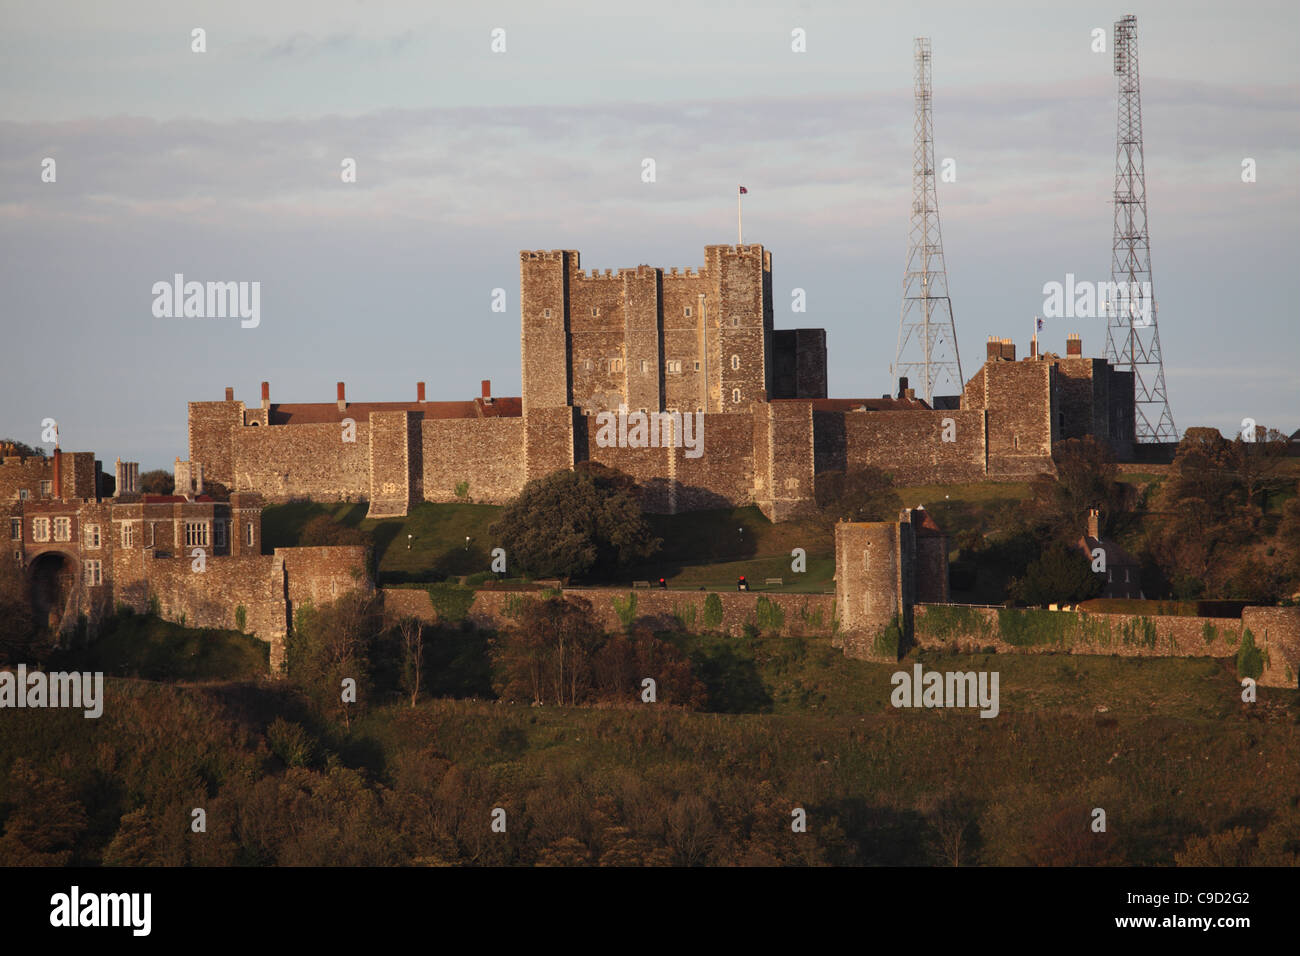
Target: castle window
697 366
673 365
128 534
645 366
15 529
94 574
735 396
595 312
1126 575
735 361
91 535
642 411
1015 441
586 365
735 320
688 311
23 494
546 313
196 534
47 489
248 534
219 534
616 365
62 529
40 529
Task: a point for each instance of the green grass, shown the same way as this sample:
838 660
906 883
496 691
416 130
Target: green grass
437 545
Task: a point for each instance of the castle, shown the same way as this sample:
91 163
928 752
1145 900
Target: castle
671 342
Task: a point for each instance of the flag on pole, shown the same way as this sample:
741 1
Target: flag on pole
743 191
1040 323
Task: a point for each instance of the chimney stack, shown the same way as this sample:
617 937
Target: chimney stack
1094 523
419 391
487 391
902 386
58 473
1073 344
1008 350
266 395
994 349
230 394
342 399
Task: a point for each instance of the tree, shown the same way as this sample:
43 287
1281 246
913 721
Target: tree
1254 462
157 482
331 644
411 630
1084 479
12 446
570 522
45 820
860 494
1060 574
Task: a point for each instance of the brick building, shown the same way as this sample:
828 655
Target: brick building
674 342
191 558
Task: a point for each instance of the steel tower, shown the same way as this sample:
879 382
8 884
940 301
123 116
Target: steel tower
927 338
1132 336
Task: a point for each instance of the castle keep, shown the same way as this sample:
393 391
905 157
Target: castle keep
671 341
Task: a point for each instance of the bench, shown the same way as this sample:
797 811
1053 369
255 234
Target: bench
640 584
779 582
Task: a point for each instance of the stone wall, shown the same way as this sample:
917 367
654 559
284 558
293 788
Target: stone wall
1275 630
482 451
908 444
300 461
810 614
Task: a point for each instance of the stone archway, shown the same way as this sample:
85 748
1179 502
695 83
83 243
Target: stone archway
51 580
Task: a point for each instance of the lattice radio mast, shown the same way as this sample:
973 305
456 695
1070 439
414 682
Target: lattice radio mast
927 338
1132 337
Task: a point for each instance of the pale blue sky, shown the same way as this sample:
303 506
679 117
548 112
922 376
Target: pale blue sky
225 166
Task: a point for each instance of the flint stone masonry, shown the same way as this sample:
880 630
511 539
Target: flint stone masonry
1276 632
804 614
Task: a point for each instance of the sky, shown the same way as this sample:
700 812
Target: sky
225 165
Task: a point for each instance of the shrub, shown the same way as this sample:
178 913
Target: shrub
769 615
241 618
712 611
462 489
450 602
625 608
887 641
290 743
1250 662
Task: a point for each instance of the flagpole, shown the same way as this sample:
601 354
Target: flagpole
740 235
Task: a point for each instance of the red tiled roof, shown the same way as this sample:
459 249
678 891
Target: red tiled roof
927 526
309 413
870 404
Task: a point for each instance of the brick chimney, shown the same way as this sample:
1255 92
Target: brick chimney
1073 345
1008 350
419 391
994 349
266 395
230 394
342 399
902 386
58 472
1094 523
487 391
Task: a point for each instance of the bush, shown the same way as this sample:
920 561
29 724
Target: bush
290 743
1250 660
625 608
769 615
712 611
241 618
